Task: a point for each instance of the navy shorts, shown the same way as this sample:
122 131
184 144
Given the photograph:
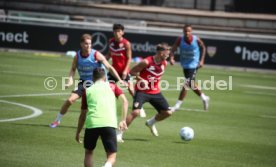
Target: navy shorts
82 85
156 100
108 136
190 76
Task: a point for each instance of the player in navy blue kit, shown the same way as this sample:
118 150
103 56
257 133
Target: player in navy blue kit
192 55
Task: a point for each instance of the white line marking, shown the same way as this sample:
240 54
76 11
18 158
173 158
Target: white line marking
36 112
259 87
268 116
259 93
191 109
33 95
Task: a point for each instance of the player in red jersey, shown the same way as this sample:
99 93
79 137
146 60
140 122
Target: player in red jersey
121 54
148 74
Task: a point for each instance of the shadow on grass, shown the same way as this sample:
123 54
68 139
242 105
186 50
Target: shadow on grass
180 142
136 139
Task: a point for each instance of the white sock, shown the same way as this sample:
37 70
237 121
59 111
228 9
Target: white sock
178 103
108 164
120 133
59 116
151 121
203 96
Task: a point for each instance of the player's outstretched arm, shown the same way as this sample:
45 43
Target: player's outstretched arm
103 60
129 58
135 71
122 124
174 48
80 124
203 52
72 72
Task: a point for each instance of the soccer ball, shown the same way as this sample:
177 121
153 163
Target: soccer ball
186 133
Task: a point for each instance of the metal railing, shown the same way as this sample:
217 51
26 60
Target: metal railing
97 23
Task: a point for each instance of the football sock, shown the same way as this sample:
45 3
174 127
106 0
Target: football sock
107 164
59 116
178 103
151 121
203 96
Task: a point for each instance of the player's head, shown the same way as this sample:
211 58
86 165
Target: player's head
163 50
99 74
86 42
118 31
187 30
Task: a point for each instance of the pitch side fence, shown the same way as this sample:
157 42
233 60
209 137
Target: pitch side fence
240 50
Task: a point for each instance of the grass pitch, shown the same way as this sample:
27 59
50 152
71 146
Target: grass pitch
238 131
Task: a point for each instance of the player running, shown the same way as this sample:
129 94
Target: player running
85 61
192 55
148 74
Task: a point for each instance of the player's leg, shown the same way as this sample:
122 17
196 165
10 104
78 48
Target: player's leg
72 98
88 161
131 91
187 74
192 84
161 105
90 140
76 94
138 100
108 136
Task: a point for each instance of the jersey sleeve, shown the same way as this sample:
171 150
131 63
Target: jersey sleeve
84 101
117 91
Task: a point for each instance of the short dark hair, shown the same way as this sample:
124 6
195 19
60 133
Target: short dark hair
187 25
118 27
98 73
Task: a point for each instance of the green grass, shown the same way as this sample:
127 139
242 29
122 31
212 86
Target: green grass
238 131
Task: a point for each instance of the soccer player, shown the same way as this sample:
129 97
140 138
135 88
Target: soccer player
192 55
121 54
100 119
85 61
148 74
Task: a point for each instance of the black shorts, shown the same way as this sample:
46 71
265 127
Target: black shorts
111 78
108 136
82 85
156 100
190 74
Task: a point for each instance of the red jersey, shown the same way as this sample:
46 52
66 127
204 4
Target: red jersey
118 54
152 73
117 92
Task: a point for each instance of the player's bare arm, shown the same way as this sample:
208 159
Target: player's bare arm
80 124
122 124
135 71
174 48
129 57
108 55
203 52
72 72
103 60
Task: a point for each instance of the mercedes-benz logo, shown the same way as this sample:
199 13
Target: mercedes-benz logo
99 41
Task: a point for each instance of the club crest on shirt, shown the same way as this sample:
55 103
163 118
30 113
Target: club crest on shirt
211 50
63 38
